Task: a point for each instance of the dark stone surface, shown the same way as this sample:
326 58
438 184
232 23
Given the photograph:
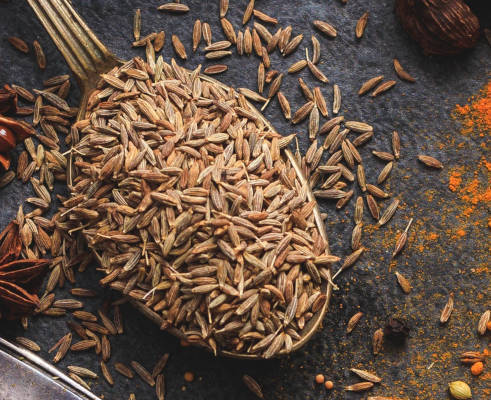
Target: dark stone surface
421 112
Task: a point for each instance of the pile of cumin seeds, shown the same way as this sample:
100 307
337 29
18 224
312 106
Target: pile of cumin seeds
192 209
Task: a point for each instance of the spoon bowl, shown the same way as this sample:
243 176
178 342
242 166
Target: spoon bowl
88 58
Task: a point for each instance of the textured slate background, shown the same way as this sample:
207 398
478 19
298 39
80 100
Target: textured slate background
421 112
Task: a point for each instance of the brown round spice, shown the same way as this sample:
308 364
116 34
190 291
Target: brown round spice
329 385
319 379
188 376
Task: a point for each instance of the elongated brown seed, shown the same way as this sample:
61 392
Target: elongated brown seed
137 24
430 161
396 144
292 45
317 72
173 8
336 103
385 172
297 66
373 207
353 321
284 104
305 90
197 34
264 17
215 69
106 373
228 30
368 376
179 47
383 155
40 56
207 35
358 387
376 191
261 77
403 282
361 25
316 50
223 8
383 87
325 28
303 112
248 12
388 213
28 344
401 73
19 44
447 310
377 341
253 386
159 41
143 373
349 261
401 241
370 84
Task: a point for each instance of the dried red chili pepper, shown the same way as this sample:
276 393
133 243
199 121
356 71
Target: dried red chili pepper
11 131
19 279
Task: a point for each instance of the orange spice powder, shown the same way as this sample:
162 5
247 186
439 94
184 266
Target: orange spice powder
477 114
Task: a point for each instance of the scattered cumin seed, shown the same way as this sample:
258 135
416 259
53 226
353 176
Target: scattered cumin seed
264 17
336 104
325 28
223 8
106 373
388 213
401 73
215 69
361 25
403 282
253 386
370 84
447 310
40 56
378 341
383 87
396 144
19 44
248 12
430 161
179 47
28 344
143 373
173 8
137 24
368 376
353 321
358 387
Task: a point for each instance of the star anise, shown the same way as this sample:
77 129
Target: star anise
19 279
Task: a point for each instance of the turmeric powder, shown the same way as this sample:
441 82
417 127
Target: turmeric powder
477 114
476 120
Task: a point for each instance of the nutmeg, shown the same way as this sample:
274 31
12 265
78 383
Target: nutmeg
442 27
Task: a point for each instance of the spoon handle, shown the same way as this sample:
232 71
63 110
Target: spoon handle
84 53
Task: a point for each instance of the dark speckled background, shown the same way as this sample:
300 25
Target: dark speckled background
437 260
